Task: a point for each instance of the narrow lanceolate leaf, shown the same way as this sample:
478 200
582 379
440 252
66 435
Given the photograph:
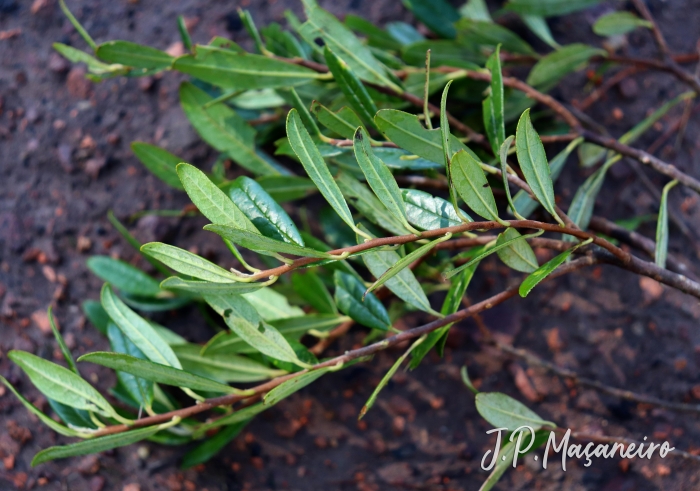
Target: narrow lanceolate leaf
287 188
533 163
138 330
241 71
123 276
502 411
225 130
445 129
133 54
289 387
538 25
379 177
159 161
545 270
470 182
355 92
60 384
503 156
310 287
429 212
506 454
57 427
94 65
403 263
156 372
96 445
140 389
489 33
581 208
223 367
617 23
265 213
262 244
493 104
243 319
549 8
518 255
231 419
438 15
661 252
207 287
61 343
343 122
212 446
351 299
553 67
315 167
211 201
187 263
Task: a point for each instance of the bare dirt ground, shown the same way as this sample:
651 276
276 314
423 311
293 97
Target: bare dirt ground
65 161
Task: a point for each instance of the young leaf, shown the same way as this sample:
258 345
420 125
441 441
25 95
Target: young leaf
438 15
138 388
502 411
289 387
545 270
549 8
507 453
470 182
310 287
355 93
133 54
223 367
442 53
263 211
61 343
343 122
138 330
617 23
475 9
81 30
95 66
159 161
187 263
60 384
488 33
429 212
244 320
467 381
206 287
518 255
581 208
661 252
156 372
503 155
315 167
538 25
212 446
123 276
493 104
553 67
533 163
363 308
272 305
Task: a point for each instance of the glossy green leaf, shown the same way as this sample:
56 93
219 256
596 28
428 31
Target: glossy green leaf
133 54
545 270
222 128
262 244
470 182
617 23
282 43
272 305
429 212
61 343
581 208
207 287
352 301
263 211
96 315
223 367
138 330
159 161
491 34
549 8
187 263
494 103
140 389
553 67
242 318
287 188
310 287
59 383
502 411
285 389
533 162
518 255
343 122
438 15
538 25
661 252
212 446
123 276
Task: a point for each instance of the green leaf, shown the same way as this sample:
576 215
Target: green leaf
553 67
376 36
243 319
140 389
344 43
549 8
95 445
476 10
310 287
223 367
502 411
503 157
315 167
263 211
57 427
187 263
81 30
545 270
343 122
60 384
94 65
661 252
581 208
617 23
138 330
507 453
206 287
250 26
222 128
533 162
287 188
442 53
96 315
518 255
123 276
538 25
352 301
162 374
470 182
184 34
314 324
61 343
240 71
493 104
212 446
291 386
429 212
355 93
648 122
239 416
159 161
445 131
133 54
272 305
488 33
438 15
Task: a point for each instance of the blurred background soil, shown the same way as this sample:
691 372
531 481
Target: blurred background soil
65 161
